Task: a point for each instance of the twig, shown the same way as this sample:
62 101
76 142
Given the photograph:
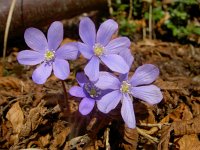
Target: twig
141 132
130 10
110 7
159 125
107 139
150 20
12 7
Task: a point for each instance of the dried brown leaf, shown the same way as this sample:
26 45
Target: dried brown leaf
165 136
130 139
191 126
33 120
60 138
182 112
76 142
189 142
3 100
187 127
13 83
16 117
45 140
194 103
175 83
31 149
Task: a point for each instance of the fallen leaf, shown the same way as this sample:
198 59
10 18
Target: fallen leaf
187 127
45 140
189 142
130 138
165 137
60 138
16 117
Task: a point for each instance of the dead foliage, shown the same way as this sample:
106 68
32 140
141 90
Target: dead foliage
40 116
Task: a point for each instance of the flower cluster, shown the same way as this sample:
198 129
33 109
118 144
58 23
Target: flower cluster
95 86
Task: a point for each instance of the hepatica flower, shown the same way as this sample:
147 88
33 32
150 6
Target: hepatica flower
98 47
127 56
88 91
47 53
123 90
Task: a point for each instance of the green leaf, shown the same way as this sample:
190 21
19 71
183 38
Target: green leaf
196 30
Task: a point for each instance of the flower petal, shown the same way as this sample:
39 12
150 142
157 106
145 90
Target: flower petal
150 94
36 40
127 111
55 35
86 106
61 68
81 78
85 50
41 73
92 69
77 91
107 81
109 101
115 63
128 57
87 31
123 77
68 51
105 32
117 45
28 57
144 74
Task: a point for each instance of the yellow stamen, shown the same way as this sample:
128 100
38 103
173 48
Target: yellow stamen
49 55
125 87
98 49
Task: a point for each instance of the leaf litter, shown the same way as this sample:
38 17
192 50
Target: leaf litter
39 117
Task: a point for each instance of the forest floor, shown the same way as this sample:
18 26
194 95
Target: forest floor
40 116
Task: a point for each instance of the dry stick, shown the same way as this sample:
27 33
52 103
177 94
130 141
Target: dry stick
110 7
7 27
159 125
144 32
152 139
107 145
130 10
150 20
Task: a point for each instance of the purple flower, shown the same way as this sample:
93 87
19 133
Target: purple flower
46 53
127 56
99 46
123 89
88 91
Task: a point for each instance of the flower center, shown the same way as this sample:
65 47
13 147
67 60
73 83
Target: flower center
98 49
49 55
125 87
92 90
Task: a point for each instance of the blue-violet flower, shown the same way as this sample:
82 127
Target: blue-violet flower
88 91
99 47
123 89
47 53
